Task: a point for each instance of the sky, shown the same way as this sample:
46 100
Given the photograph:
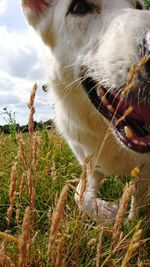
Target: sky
21 65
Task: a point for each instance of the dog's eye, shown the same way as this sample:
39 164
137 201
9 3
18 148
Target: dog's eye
138 5
80 7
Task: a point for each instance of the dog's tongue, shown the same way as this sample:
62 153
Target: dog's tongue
141 111
36 5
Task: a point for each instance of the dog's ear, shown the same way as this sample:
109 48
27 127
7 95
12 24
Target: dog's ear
39 14
34 10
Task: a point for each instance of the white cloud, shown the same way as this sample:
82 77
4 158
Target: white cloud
20 68
3 6
15 95
20 65
19 56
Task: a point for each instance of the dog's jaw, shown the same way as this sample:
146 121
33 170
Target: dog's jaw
128 117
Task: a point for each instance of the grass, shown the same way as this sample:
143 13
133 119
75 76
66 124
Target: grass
40 224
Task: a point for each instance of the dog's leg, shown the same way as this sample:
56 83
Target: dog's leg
101 211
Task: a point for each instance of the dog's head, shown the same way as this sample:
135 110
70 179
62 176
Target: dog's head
101 40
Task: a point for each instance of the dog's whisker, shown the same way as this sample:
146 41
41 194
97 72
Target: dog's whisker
72 65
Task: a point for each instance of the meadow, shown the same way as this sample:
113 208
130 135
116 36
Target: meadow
40 224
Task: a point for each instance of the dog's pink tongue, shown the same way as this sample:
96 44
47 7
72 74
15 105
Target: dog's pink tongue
36 5
141 110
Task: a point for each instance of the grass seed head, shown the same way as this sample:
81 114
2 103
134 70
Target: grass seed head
22 186
59 256
21 150
12 191
36 143
32 110
32 192
57 216
99 247
5 260
133 246
123 205
25 237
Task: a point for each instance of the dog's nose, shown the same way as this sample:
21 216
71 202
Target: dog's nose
144 50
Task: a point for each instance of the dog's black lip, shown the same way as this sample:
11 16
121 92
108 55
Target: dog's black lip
90 86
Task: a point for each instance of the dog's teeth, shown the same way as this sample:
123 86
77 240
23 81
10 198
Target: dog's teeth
128 132
110 108
142 143
101 92
135 141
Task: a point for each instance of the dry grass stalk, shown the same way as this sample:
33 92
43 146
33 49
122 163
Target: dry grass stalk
140 264
56 198
57 216
77 249
36 143
133 246
25 237
5 260
32 109
53 171
84 178
22 186
92 242
9 238
12 191
135 69
32 193
74 181
59 256
126 113
21 150
49 215
99 247
65 258
125 90
123 205
17 217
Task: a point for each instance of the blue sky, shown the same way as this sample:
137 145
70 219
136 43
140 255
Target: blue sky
21 65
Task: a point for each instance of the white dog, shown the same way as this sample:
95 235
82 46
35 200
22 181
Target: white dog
93 44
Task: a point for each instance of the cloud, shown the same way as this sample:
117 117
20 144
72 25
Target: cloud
19 56
15 93
20 65
8 99
3 6
11 15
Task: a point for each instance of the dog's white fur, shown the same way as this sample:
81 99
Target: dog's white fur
103 42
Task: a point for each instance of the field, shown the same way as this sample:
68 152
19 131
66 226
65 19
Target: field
40 224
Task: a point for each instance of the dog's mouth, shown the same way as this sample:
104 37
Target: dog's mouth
130 118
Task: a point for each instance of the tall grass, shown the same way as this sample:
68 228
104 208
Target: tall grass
39 222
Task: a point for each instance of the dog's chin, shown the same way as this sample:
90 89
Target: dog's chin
129 117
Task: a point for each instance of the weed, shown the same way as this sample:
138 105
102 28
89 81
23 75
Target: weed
37 184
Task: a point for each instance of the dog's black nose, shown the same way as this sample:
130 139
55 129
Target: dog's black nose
144 50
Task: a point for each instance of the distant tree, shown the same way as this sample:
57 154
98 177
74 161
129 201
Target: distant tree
147 3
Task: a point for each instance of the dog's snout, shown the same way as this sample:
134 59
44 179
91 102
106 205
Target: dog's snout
144 50
145 46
